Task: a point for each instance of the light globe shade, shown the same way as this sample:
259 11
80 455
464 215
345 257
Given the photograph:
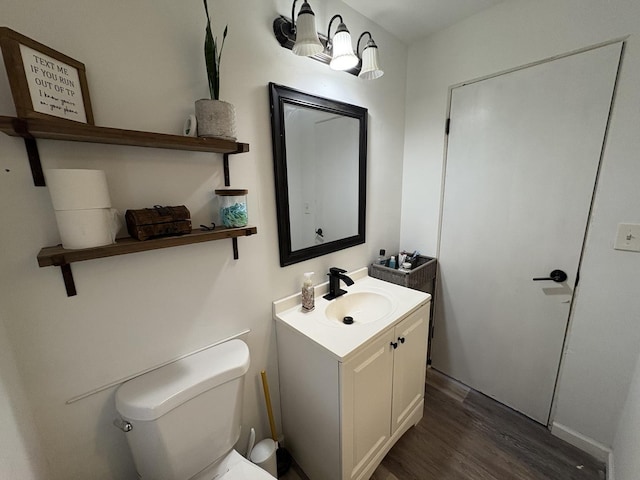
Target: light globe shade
343 57
307 41
370 68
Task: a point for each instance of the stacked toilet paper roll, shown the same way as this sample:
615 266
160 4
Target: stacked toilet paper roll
82 207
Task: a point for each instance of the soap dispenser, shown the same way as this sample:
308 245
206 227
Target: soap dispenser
308 294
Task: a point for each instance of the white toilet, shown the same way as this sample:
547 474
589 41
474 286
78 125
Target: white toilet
183 419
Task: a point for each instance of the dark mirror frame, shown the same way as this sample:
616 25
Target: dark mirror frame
279 96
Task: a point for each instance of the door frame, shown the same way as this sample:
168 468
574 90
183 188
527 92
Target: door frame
623 41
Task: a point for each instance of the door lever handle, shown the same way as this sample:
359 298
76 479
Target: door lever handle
557 276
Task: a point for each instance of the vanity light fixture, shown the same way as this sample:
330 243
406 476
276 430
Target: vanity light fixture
369 70
342 56
307 41
302 38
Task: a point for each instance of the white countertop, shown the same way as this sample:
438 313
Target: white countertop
338 338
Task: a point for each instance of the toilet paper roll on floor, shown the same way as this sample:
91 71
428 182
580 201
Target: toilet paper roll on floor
77 189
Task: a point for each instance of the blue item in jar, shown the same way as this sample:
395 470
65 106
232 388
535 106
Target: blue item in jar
234 215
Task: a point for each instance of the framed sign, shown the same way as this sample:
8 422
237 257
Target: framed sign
44 83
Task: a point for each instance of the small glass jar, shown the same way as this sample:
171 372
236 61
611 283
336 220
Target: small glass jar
232 206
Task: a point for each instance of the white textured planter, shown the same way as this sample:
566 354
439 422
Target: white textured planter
216 119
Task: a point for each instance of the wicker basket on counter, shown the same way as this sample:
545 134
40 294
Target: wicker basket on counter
421 276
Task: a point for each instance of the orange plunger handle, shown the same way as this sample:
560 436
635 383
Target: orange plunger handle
267 399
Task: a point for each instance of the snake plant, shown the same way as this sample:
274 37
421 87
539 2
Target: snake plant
212 57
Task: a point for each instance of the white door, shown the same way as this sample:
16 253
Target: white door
522 160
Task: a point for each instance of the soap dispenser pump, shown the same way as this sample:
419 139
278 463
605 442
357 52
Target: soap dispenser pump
308 294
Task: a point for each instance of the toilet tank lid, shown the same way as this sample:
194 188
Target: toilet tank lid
153 394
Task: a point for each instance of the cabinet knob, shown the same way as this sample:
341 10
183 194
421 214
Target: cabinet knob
401 339
394 345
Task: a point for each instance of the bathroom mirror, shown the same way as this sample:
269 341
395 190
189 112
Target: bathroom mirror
320 163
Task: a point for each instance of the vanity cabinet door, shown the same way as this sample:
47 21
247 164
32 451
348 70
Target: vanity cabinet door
409 365
366 404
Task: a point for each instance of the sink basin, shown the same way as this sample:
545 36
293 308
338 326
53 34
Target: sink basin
364 307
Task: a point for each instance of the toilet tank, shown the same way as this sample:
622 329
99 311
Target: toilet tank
185 415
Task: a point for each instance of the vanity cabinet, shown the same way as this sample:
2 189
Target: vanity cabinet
367 383
409 366
341 416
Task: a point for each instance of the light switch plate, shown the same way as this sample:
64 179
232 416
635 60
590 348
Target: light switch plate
628 237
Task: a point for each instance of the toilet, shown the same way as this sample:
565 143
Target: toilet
183 419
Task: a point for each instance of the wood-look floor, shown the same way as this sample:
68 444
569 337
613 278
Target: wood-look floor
465 435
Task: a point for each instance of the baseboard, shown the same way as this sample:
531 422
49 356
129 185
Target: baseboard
584 443
610 471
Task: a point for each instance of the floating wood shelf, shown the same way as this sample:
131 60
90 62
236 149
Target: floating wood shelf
80 132
61 257
32 129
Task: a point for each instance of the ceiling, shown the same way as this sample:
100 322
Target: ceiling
411 20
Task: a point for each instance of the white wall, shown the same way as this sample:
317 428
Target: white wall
145 69
626 444
604 337
20 454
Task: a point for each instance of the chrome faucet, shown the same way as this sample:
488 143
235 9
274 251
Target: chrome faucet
335 275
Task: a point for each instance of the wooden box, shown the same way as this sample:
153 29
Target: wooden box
158 222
